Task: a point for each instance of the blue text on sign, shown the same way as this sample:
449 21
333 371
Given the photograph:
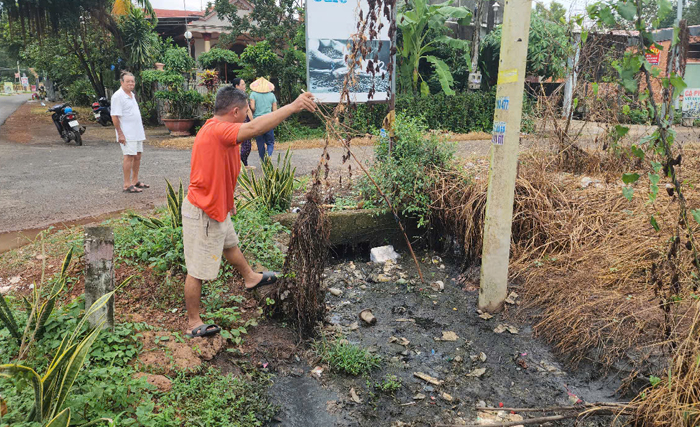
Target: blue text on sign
502 103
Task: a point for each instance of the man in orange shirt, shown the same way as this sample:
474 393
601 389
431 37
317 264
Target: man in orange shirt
207 229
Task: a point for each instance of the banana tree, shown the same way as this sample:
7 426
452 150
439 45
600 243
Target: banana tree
416 25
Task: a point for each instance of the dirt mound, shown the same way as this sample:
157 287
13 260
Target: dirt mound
166 353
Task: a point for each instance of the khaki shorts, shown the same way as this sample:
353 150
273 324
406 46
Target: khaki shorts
132 148
205 240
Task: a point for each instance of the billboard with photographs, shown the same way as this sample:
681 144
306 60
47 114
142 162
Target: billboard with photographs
329 29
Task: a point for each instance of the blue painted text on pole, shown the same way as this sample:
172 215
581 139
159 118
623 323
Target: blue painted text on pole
499 133
502 103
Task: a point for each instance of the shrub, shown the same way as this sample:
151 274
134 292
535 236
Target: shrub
273 191
293 130
406 174
80 93
461 113
177 60
159 247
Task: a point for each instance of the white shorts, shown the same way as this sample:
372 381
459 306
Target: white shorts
131 148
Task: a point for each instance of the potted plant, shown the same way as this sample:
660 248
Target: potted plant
181 109
181 106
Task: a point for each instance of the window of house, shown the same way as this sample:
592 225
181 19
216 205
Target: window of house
694 51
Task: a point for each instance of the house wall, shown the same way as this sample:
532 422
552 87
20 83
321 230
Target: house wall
692 71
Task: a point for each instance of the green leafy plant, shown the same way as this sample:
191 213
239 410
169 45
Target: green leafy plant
177 60
389 384
174 209
274 190
180 103
405 174
52 389
40 308
415 25
259 60
155 240
209 79
216 399
547 51
230 321
222 60
344 357
140 40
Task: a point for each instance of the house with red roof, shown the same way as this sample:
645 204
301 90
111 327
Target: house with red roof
206 28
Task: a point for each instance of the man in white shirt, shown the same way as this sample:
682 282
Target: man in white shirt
126 117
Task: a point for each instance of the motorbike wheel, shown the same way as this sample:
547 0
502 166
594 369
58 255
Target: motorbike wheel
77 137
103 122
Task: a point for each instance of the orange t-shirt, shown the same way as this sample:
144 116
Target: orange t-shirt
216 163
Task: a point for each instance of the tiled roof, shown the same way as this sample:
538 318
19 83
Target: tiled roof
170 13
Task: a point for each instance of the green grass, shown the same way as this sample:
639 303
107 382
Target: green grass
214 399
344 357
105 387
389 384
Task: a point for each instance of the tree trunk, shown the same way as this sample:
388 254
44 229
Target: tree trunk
480 6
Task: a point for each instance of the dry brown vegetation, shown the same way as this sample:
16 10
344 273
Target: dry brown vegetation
591 264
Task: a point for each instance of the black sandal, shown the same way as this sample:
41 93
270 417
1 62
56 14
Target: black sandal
203 330
141 185
132 189
269 278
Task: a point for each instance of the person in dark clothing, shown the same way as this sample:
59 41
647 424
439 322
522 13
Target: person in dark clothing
246 146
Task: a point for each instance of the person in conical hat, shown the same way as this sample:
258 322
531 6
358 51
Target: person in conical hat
262 85
263 101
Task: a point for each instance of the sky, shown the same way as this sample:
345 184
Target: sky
573 6
179 4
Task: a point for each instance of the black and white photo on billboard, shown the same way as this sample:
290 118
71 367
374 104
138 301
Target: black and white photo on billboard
327 67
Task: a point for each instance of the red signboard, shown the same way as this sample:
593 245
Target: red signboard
653 56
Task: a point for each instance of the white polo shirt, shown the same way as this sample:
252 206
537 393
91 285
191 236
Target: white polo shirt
127 109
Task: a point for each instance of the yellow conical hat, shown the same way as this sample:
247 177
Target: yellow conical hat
262 85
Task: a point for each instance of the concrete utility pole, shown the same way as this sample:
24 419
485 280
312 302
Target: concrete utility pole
99 273
504 155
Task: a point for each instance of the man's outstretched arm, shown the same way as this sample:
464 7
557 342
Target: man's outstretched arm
265 123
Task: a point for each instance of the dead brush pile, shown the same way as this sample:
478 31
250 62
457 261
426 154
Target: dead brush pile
584 257
675 400
300 292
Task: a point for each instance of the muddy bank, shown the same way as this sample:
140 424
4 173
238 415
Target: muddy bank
433 334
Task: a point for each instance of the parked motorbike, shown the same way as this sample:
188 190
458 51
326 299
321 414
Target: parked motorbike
101 110
66 123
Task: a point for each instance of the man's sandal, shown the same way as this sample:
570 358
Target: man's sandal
203 330
132 189
141 185
269 278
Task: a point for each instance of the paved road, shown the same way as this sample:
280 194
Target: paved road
8 105
46 181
